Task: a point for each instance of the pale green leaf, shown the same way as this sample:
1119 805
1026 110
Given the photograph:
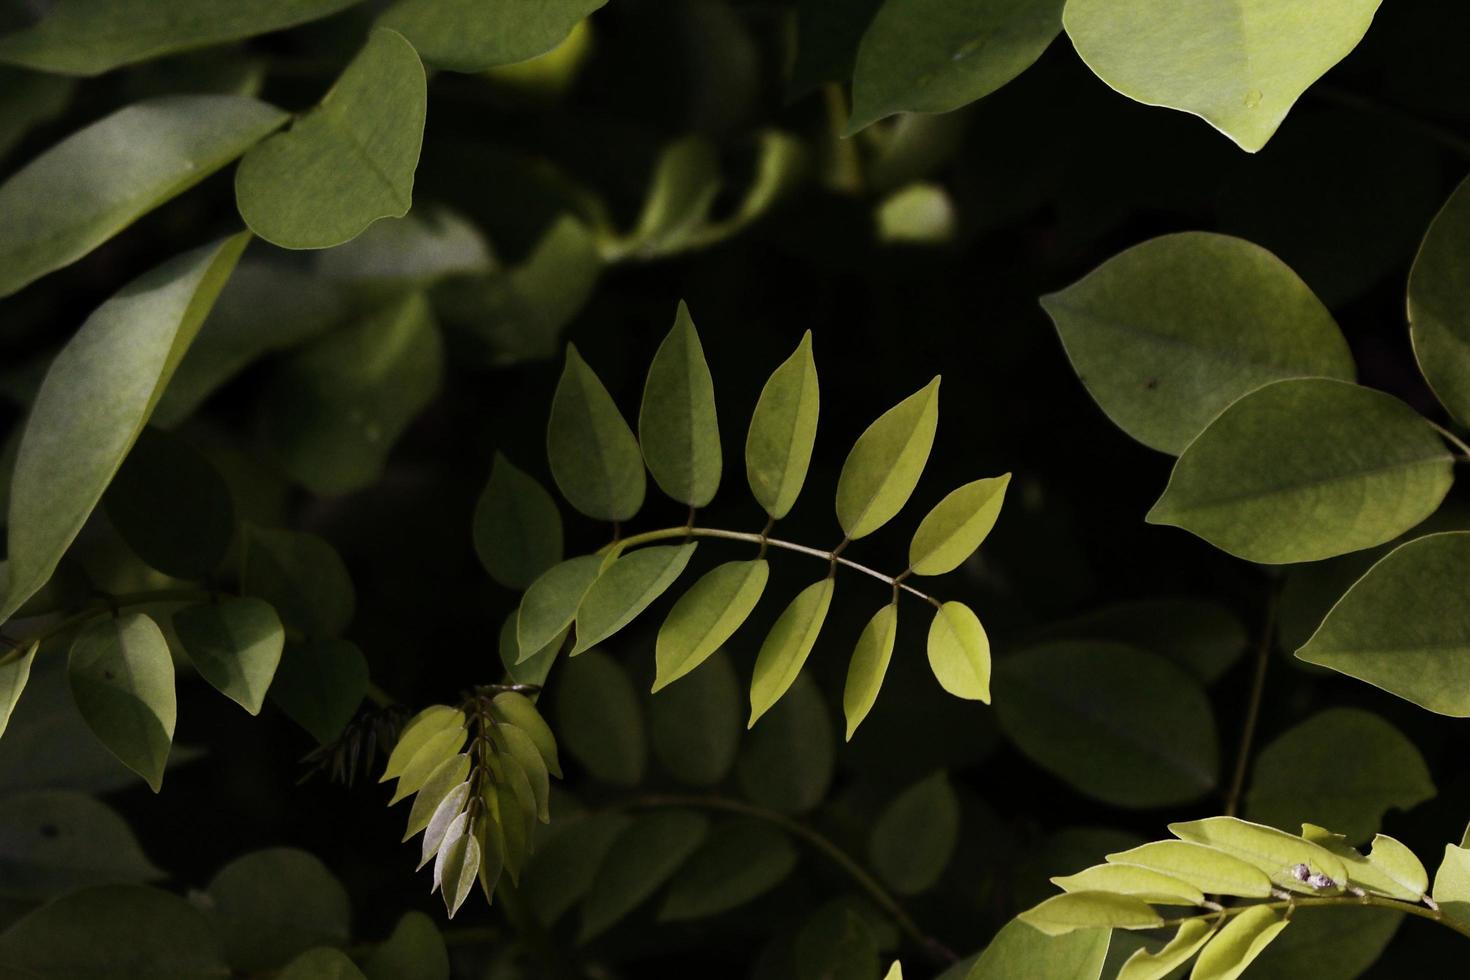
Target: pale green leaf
532 668
1404 626
346 163
517 528
695 727
1452 885
1169 332
956 526
272 905
322 963
937 55
600 720
89 37
512 708
706 617
1118 724
1273 851
56 841
626 588
1327 944
235 645
123 680
550 604
413 951
786 647
959 652
419 729
1439 297
457 865
1238 943
301 576
787 763
1303 776
516 745
320 684
677 427
122 357
595 459
915 835
1389 869
895 972
1071 911
445 791
1239 66
738 862
15 671
1018 950
473 35
1212 872
1307 469
783 429
1128 879
868 666
886 462
429 759
334 409
1143 965
99 180
642 858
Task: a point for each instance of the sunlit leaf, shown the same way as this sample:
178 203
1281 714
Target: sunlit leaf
1019 949
1389 868
457 865
642 858
914 836
695 726
886 462
959 652
512 708
783 429
473 35
429 759
677 427
534 667
626 588
956 526
595 459
1143 965
123 680
868 666
272 905
786 647
738 862
517 528
445 792
1439 295
706 616
1273 851
320 684
683 188
1212 872
235 645
420 728
1071 911
600 720
1238 943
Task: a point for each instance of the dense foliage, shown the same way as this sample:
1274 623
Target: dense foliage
343 337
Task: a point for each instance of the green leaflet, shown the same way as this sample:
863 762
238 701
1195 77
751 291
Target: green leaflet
414 951
15 670
122 678
416 251
235 645
1240 67
695 727
937 55
783 429
335 408
322 963
1389 869
626 588
550 604
446 782
787 763
1143 965
517 746
595 459
1212 872
1307 469
320 684
512 708
786 647
517 529
420 728
1235 946
1439 295
677 427
1152 886
301 576
531 668
99 180
56 841
122 357
600 719
915 835
1019 950
1305 777
959 652
886 462
868 666
1452 885
737 863
642 858
1071 911
28 100
473 35
1168 333
270 906
1327 943
956 526
1273 851
1403 627
89 37
346 163
706 617
441 747
457 864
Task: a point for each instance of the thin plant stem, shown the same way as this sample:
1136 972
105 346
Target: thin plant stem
1264 647
1453 439
1343 901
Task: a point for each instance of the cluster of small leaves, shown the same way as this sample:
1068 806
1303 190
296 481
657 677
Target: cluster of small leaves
477 805
599 466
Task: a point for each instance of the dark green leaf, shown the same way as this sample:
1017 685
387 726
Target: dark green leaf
677 427
123 680
783 429
414 951
301 576
786 764
271 905
869 665
1243 938
561 871
1327 944
517 527
235 644
319 684
641 859
595 459
1439 296
1201 636
885 464
915 835
171 506
15 671
600 720
738 862
695 726
56 841
322 963
626 588
473 35
550 604
954 529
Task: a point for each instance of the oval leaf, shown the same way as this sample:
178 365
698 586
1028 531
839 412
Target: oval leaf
320 684
783 430
628 587
868 666
301 576
885 464
915 835
738 862
1242 939
473 35
56 841
1152 886
959 652
1143 965
1273 851
1212 872
594 458
517 531
956 526
600 720
706 616
1439 298
235 645
677 427
123 680
1090 910
272 905
420 728
695 727
787 645
512 708
414 951
323 963
550 604
642 858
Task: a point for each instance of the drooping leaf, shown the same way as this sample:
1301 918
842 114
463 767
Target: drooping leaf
419 730
1307 469
56 841
1152 886
787 763
1452 885
935 55
827 38
473 35
677 427
89 37
517 529
320 684
1403 628
301 576
706 617
15 671
1238 943
335 408
783 430
642 858
738 862
915 835
595 459
235 645
99 180
1071 911
415 950
1304 776
1168 333
868 666
1143 965
919 214
322 963
551 603
123 680
959 652
1213 872
513 708
786 647
269 906
1389 868
886 462
457 865
599 718
122 357
346 163
956 526
1138 732
695 726
1240 68
1327 944
626 588
1273 851
1439 295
